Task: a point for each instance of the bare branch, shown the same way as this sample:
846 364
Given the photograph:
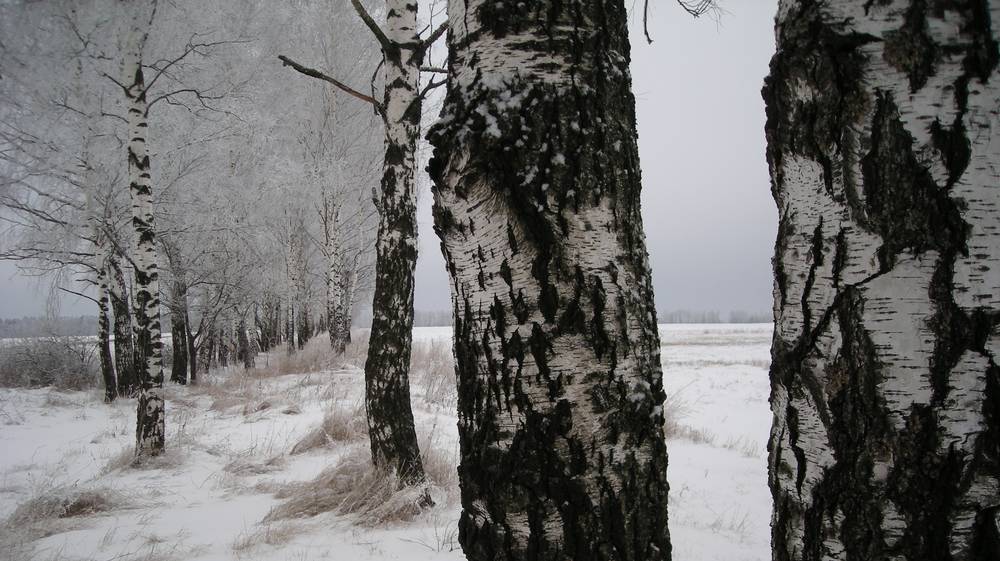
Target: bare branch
81 295
326 78
201 97
695 8
191 47
434 36
119 84
434 69
384 41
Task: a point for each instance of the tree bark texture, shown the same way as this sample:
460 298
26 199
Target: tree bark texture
149 347
334 254
884 149
387 388
536 201
178 333
104 334
346 316
245 351
128 384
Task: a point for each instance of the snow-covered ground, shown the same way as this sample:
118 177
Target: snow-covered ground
67 491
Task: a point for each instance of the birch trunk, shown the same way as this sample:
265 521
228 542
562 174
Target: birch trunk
178 332
883 137
387 386
150 412
245 353
334 304
291 270
128 385
104 334
191 348
343 327
536 201
334 271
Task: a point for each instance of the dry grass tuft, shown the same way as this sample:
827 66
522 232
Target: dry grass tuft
54 511
273 534
65 503
243 466
440 466
433 368
353 487
172 458
357 350
675 408
339 425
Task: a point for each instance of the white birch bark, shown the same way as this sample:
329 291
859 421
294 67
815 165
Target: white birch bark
884 146
150 423
334 254
536 201
387 392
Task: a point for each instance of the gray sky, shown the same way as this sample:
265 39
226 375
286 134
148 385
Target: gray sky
709 217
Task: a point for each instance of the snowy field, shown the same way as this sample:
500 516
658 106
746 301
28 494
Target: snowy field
242 447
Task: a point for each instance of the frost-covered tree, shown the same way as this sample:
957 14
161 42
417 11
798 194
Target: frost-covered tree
536 201
882 130
387 389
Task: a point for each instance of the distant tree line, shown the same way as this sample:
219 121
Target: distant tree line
702 316
48 327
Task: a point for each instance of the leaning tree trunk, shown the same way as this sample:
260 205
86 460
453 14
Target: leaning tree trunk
883 136
125 366
150 409
104 334
536 201
387 387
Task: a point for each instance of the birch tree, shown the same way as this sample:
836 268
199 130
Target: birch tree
148 344
883 135
536 202
387 390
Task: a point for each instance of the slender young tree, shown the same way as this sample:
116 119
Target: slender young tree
536 202
148 344
387 389
882 130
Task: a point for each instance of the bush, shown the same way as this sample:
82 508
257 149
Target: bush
63 362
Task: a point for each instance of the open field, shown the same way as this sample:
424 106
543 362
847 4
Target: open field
253 455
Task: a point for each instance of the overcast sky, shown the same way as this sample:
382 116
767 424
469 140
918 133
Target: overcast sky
709 217
706 202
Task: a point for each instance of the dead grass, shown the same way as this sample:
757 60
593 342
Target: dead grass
340 424
172 458
273 534
244 466
747 447
440 465
372 496
675 409
65 503
357 350
432 366
352 487
53 511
